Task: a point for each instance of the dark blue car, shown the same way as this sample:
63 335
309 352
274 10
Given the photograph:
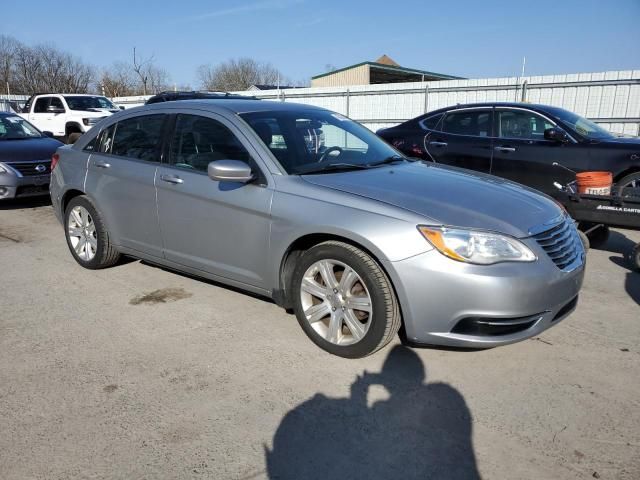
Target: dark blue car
25 158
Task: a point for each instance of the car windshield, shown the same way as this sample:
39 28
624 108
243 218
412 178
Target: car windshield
78 102
315 141
14 127
581 125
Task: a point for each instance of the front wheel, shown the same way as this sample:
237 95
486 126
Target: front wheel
629 186
87 236
344 301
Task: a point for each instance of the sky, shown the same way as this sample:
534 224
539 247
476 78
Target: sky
474 39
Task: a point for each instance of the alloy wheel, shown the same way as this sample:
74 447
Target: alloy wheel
336 302
82 233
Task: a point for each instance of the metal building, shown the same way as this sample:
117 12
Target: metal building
383 70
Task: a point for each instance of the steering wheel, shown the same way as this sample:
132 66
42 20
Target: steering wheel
326 153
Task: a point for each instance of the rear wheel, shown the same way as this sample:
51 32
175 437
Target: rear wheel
87 237
344 301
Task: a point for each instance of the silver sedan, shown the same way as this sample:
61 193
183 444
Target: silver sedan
311 209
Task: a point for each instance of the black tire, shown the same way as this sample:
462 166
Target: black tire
634 258
585 240
385 316
106 254
625 181
599 236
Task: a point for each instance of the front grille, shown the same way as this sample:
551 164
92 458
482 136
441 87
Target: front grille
561 243
28 169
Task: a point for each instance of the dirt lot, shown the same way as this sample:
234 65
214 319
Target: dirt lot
137 372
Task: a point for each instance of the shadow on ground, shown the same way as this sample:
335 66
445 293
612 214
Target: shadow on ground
422 431
28 202
619 243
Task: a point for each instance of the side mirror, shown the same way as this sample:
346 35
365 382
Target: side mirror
230 171
54 109
556 135
47 133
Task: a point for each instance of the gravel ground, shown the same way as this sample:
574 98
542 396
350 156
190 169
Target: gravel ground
137 372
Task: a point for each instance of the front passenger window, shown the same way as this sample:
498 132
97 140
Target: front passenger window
199 140
522 124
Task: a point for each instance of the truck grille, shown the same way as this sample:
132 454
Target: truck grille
561 243
29 169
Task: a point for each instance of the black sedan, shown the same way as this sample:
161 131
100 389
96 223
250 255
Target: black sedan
25 158
520 142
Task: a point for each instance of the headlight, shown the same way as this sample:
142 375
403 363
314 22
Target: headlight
90 121
3 170
474 246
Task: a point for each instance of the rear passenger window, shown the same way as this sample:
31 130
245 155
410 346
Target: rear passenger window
200 140
137 137
470 122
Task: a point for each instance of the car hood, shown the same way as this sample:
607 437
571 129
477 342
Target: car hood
28 149
450 196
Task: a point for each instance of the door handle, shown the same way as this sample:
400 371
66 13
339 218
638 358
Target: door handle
438 144
101 164
505 149
171 179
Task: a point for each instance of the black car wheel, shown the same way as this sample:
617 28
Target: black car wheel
629 186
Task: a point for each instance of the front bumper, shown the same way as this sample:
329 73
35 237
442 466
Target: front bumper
454 304
13 186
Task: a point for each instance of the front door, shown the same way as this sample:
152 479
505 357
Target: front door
121 176
463 140
522 154
218 227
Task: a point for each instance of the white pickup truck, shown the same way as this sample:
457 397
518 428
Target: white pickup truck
66 114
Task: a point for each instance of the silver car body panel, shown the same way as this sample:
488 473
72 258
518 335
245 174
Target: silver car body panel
239 234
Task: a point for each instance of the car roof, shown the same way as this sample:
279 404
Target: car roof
234 106
531 106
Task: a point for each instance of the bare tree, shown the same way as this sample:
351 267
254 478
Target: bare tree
238 74
152 79
8 49
118 81
25 70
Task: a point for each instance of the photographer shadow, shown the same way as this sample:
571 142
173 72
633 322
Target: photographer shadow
422 431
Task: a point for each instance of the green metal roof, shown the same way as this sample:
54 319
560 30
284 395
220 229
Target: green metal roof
391 68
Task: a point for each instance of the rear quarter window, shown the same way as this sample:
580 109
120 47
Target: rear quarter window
431 123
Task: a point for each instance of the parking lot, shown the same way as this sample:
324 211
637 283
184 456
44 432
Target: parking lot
139 372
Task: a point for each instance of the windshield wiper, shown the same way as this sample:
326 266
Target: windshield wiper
388 160
335 167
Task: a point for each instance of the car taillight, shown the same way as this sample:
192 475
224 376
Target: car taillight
54 160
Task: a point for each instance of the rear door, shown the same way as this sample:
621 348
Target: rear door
121 180
218 227
522 154
463 139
